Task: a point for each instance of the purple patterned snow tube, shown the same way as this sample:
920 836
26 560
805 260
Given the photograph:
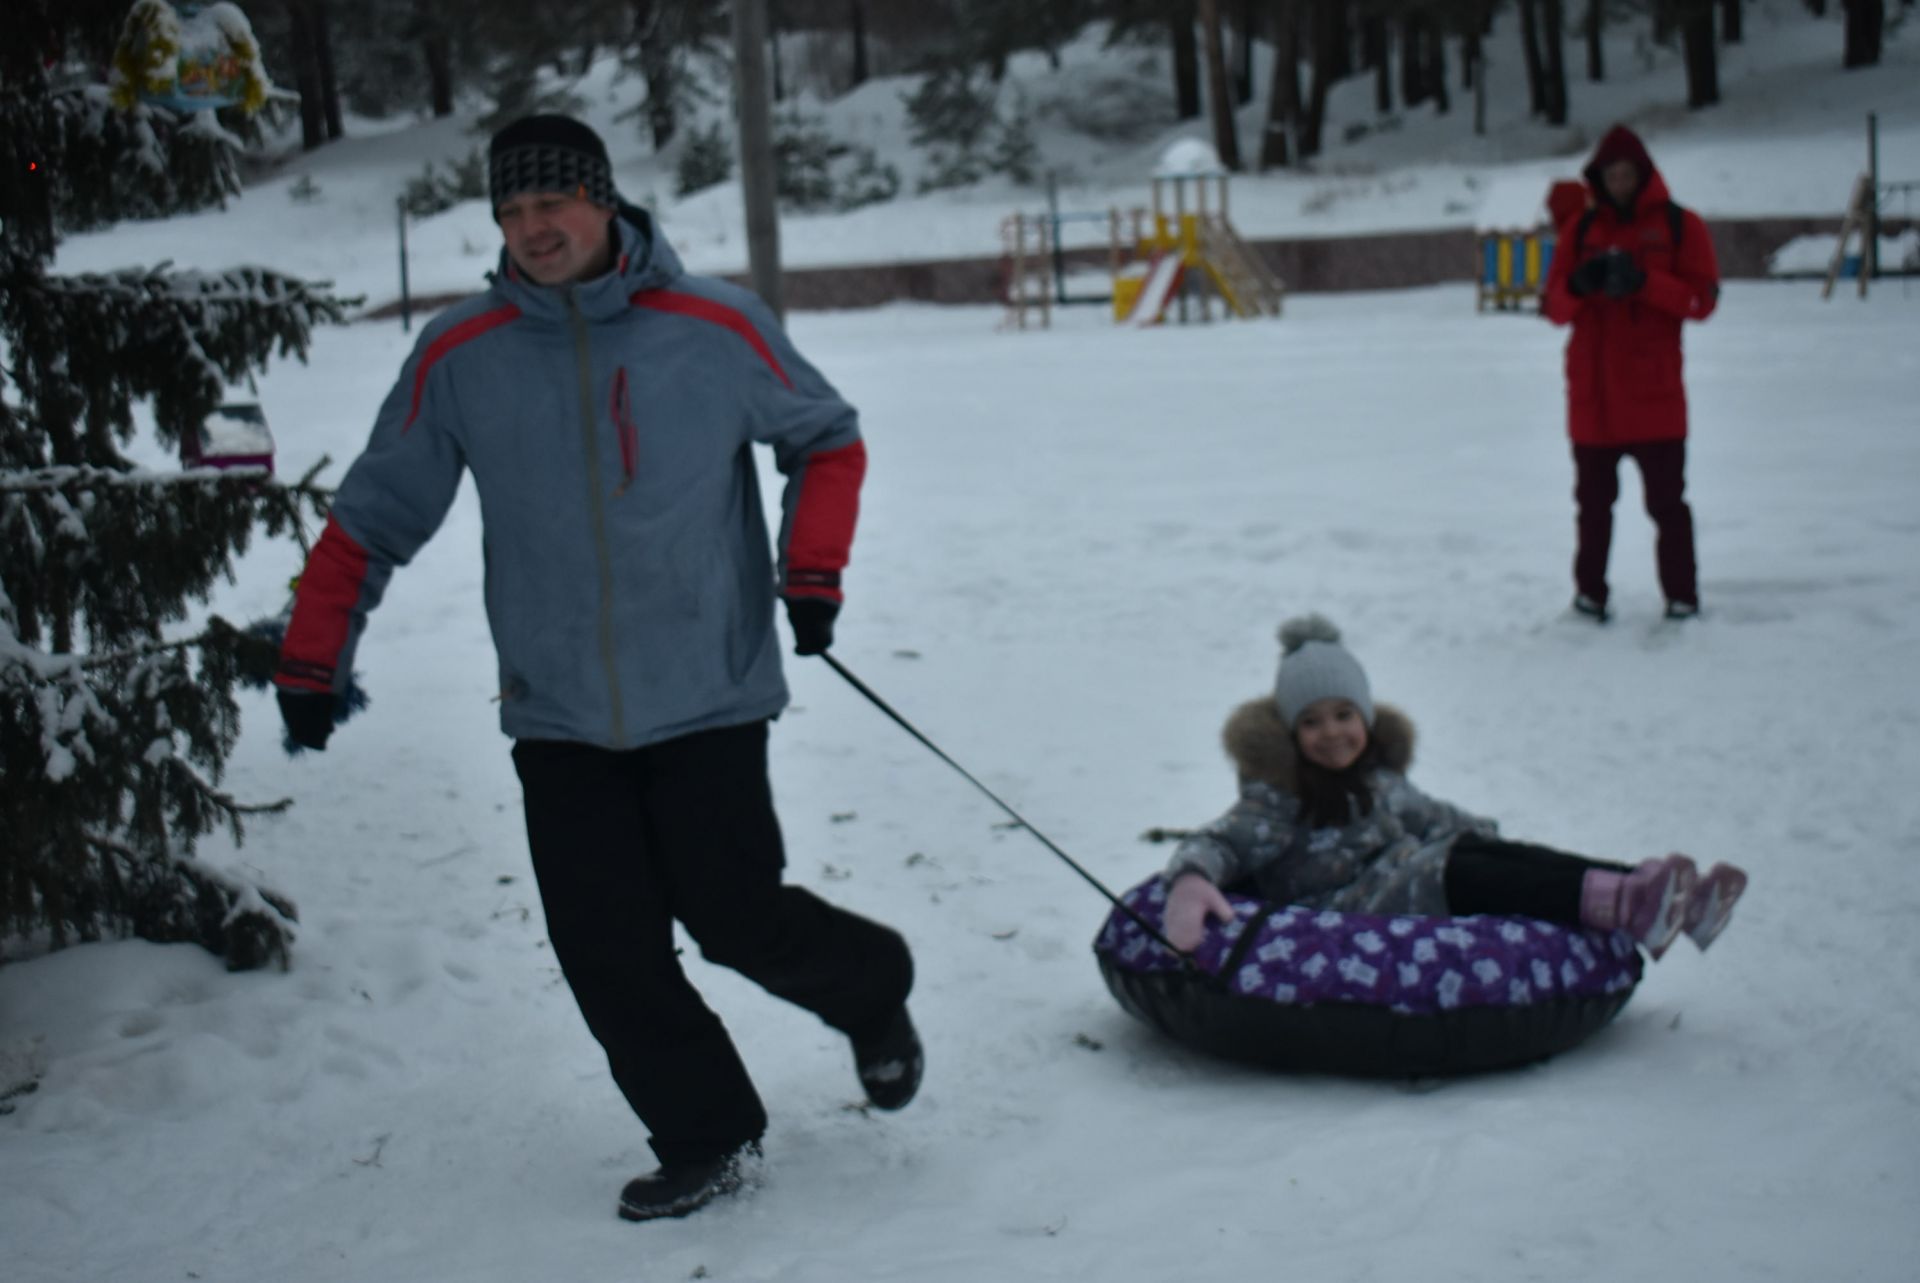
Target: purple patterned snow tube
1369 993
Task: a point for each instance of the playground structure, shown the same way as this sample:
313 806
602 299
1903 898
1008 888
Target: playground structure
1865 207
1174 259
1186 259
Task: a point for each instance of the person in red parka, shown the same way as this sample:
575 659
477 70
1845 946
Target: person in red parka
1626 272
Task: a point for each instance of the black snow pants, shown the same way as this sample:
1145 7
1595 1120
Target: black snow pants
1493 875
625 843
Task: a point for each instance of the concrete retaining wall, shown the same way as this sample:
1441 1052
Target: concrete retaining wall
1389 260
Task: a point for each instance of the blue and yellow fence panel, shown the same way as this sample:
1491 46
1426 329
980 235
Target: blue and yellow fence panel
1513 268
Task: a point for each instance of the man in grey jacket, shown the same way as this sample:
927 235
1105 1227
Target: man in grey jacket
606 403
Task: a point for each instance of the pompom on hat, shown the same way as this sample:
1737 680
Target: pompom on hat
1315 666
549 153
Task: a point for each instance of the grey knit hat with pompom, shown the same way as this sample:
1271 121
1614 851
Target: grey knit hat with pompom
1315 666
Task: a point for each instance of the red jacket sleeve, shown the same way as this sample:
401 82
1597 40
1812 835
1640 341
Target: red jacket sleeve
823 519
1557 302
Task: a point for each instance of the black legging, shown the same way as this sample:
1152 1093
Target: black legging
1493 875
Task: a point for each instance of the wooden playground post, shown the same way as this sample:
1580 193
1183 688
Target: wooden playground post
1049 240
1199 239
1017 280
1857 216
1179 236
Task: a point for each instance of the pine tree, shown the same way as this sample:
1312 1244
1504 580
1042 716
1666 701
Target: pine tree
116 717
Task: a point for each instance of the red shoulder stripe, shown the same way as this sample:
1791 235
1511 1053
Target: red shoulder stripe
714 314
823 520
322 611
471 328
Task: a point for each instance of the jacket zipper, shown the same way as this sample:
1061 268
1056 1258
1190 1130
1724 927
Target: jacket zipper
583 357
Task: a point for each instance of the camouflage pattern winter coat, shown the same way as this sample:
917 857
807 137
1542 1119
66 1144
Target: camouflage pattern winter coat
1391 860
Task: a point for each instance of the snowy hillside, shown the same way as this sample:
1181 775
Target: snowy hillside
1789 138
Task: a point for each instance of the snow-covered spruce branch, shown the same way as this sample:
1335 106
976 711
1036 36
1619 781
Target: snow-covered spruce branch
75 479
217 630
189 899
193 290
220 799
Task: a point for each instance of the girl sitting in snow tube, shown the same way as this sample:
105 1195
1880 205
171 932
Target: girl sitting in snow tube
1392 933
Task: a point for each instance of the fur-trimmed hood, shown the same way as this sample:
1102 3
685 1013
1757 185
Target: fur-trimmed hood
1262 748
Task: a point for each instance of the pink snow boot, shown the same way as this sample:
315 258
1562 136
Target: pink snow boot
1710 907
1649 902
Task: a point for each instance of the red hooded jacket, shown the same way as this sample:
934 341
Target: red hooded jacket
1623 359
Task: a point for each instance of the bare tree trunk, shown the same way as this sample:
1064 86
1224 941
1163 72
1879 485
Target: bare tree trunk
329 83
1243 56
1554 77
1374 57
1703 63
306 76
1596 54
1226 139
436 54
773 54
1413 58
1340 38
1283 97
1477 59
1186 61
1283 94
657 68
1732 23
1530 47
1327 33
1436 59
1866 22
750 31
858 22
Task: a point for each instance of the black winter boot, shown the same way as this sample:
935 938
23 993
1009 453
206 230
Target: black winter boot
676 1189
890 1063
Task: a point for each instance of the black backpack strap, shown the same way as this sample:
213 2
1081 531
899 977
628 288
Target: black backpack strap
1580 233
1676 219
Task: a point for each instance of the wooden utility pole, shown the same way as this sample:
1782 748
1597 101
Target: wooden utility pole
756 151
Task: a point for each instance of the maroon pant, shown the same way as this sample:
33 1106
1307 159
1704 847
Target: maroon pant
1596 484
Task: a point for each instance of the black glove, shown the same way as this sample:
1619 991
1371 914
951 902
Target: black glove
812 620
1590 277
308 715
1623 275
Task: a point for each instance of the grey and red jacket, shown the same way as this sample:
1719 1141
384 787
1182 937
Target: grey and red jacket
608 426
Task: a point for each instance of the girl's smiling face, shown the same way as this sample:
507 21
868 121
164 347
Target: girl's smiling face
1331 734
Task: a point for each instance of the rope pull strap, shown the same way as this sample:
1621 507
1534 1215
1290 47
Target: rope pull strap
1186 958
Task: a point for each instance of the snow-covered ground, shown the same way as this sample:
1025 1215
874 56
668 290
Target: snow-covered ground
1074 549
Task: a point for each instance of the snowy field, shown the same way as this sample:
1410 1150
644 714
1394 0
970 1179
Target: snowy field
1074 550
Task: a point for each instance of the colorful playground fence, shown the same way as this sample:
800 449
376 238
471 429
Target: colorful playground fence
1513 268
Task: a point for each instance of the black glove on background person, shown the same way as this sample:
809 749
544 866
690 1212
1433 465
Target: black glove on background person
1590 277
812 620
308 715
1623 275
